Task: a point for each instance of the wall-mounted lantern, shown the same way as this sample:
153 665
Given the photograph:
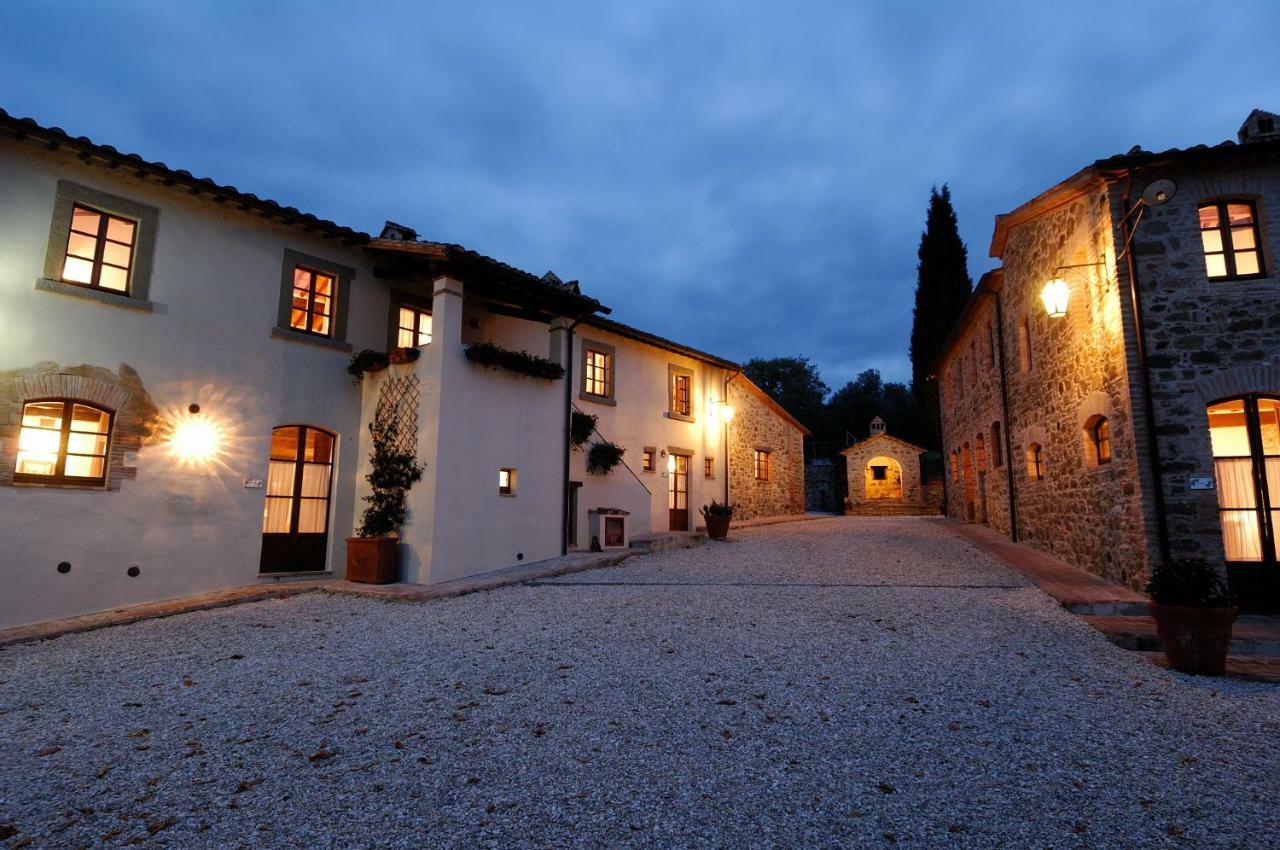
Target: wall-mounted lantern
1055 296
195 439
722 410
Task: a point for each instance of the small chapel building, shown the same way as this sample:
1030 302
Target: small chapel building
884 477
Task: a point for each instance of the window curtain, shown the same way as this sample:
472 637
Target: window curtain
1241 535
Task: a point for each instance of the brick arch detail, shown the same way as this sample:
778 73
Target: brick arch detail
1238 381
79 387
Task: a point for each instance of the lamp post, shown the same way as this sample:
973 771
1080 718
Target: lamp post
1055 296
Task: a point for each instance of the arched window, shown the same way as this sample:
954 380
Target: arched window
1229 233
1035 462
997 445
1100 436
63 441
1244 434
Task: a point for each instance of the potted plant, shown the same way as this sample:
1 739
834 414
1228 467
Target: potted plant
717 518
603 456
367 360
1194 611
404 354
373 554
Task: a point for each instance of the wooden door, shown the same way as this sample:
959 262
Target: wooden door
678 493
295 517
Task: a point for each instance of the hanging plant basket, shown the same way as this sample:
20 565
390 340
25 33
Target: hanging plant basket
364 361
403 355
582 426
521 362
603 456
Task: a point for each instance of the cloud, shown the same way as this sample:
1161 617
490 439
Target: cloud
748 178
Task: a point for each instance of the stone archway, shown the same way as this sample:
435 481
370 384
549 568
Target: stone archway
883 478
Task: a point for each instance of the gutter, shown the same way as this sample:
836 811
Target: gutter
1128 228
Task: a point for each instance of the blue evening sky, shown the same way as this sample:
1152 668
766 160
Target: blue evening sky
747 178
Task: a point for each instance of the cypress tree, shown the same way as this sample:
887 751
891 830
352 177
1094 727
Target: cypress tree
943 286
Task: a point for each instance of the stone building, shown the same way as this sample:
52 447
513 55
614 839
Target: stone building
884 476
177 413
1111 393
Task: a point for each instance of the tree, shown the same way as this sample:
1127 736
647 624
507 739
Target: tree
853 406
943 286
794 383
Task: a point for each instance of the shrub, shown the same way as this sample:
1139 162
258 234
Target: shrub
391 476
1189 581
582 426
492 356
603 456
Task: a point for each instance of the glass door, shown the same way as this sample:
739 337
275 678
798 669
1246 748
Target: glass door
678 491
295 517
1245 435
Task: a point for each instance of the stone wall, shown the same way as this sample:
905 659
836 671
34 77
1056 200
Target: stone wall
1206 339
1061 373
901 483
820 490
756 425
975 454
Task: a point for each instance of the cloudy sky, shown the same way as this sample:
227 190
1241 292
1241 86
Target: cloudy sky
750 179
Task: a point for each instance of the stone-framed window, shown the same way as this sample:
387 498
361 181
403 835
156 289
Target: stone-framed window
101 247
1244 435
63 441
648 462
314 297
1231 239
763 460
599 366
1035 462
1024 346
1098 436
410 321
680 393
708 467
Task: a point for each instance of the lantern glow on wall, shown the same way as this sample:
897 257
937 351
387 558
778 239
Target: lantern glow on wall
1055 296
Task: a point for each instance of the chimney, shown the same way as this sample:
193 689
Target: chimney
398 232
1260 126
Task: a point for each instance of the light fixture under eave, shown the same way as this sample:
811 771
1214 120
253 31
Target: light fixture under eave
726 413
1055 295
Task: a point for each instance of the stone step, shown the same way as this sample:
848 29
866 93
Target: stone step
892 509
662 541
1250 636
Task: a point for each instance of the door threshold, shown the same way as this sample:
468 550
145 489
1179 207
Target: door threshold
296 574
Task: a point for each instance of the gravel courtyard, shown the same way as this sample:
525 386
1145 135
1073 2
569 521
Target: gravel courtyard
842 682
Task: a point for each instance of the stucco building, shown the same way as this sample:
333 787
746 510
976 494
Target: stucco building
1112 392
176 414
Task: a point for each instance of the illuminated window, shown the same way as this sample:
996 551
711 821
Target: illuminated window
646 460
762 465
1245 436
709 467
413 327
506 482
63 442
1035 462
298 484
1100 437
312 309
1229 233
99 250
599 373
681 400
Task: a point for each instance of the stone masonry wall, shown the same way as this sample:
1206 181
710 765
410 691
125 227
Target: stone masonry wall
1087 513
1206 339
757 426
973 425
907 475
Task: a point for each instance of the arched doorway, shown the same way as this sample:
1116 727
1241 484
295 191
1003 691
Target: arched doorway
884 478
295 518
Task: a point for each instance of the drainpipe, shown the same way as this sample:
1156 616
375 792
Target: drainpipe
568 430
1128 227
729 376
1008 426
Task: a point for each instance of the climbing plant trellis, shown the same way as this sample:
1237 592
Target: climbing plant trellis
395 418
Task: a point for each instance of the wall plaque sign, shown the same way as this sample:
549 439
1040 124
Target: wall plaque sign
1200 482
253 483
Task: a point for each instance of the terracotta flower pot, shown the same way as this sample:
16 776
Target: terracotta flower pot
718 527
373 560
1195 639
403 355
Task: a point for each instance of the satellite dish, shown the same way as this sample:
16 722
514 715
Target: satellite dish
1159 191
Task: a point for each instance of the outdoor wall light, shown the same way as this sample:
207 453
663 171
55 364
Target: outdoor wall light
195 439
1055 295
722 411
